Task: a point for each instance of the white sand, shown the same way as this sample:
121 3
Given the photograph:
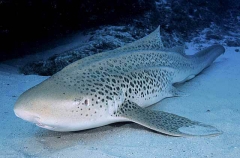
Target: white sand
214 98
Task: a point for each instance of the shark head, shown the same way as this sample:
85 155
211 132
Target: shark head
60 106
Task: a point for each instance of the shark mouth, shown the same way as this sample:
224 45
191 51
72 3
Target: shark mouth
44 126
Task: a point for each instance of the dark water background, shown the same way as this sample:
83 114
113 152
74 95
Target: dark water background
31 26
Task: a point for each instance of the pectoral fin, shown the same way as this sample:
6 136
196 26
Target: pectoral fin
164 122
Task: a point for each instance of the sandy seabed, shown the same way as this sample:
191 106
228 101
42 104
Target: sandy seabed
214 99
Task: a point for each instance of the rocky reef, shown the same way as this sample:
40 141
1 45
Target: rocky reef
111 24
103 39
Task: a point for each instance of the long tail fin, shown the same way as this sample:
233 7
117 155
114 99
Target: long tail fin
198 62
204 58
215 49
208 55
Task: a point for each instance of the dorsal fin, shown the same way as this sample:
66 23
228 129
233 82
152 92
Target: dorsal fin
177 49
152 41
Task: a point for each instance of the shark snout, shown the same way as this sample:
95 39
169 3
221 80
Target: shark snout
29 116
26 115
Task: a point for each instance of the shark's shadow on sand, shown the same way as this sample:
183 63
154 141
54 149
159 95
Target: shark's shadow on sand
44 142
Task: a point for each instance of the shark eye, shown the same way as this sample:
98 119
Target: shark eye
86 102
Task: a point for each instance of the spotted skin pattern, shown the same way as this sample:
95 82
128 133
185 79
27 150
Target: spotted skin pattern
116 86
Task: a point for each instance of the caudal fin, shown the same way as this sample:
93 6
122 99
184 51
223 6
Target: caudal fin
164 122
212 50
204 58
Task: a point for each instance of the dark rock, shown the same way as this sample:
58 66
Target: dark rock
31 22
185 16
210 36
236 50
103 39
181 20
233 43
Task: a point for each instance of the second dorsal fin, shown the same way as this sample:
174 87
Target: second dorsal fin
177 49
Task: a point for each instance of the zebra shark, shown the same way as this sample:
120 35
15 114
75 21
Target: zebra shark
117 86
